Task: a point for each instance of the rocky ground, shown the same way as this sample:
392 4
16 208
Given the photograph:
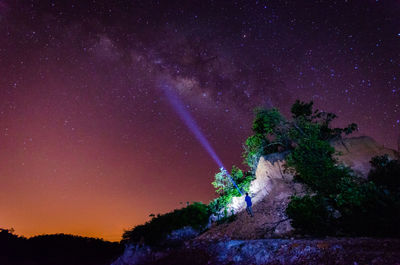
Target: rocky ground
281 251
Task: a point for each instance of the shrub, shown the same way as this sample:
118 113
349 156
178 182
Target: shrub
314 165
226 189
154 232
254 149
309 214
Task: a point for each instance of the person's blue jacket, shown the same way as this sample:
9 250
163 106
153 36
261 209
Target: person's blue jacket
248 201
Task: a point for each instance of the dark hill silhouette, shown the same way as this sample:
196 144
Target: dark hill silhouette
53 249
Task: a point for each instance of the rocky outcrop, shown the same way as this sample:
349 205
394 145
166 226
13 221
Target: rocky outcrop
270 192
139 253
134 254
356 153
273 186
330 251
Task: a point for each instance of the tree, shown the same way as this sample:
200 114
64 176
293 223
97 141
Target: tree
302 109
226 189
221 182
270 135
338 202
274 133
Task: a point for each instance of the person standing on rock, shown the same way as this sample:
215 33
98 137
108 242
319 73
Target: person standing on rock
249 204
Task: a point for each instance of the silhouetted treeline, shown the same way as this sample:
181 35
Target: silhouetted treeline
58 249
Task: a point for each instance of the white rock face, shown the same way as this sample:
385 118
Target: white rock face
269 175
182 234
270 192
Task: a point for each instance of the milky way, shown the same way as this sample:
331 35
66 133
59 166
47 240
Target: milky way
88 141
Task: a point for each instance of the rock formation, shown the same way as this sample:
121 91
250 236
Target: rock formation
356 153
272 188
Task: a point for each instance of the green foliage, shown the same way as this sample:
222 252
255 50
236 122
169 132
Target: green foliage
338 203
302 109
373 208
270 135
342 204
273 133
225 188
309 214
254 149
368 210
220 203
154 232
304 115
224 185
266 121
315 167
350 194
221 182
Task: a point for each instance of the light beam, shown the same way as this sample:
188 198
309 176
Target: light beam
189 121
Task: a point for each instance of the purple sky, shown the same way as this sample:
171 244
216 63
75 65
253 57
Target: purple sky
90 145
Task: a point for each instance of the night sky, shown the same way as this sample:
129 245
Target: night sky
89 143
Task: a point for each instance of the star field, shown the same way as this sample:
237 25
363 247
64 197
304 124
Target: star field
90 145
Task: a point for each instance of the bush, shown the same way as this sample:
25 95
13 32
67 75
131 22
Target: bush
154 232
254 149
315 166
373 208
369 210
309 214
226 189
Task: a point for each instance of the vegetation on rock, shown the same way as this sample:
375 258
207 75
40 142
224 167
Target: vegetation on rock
226 190
155 231
270 136
337 202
